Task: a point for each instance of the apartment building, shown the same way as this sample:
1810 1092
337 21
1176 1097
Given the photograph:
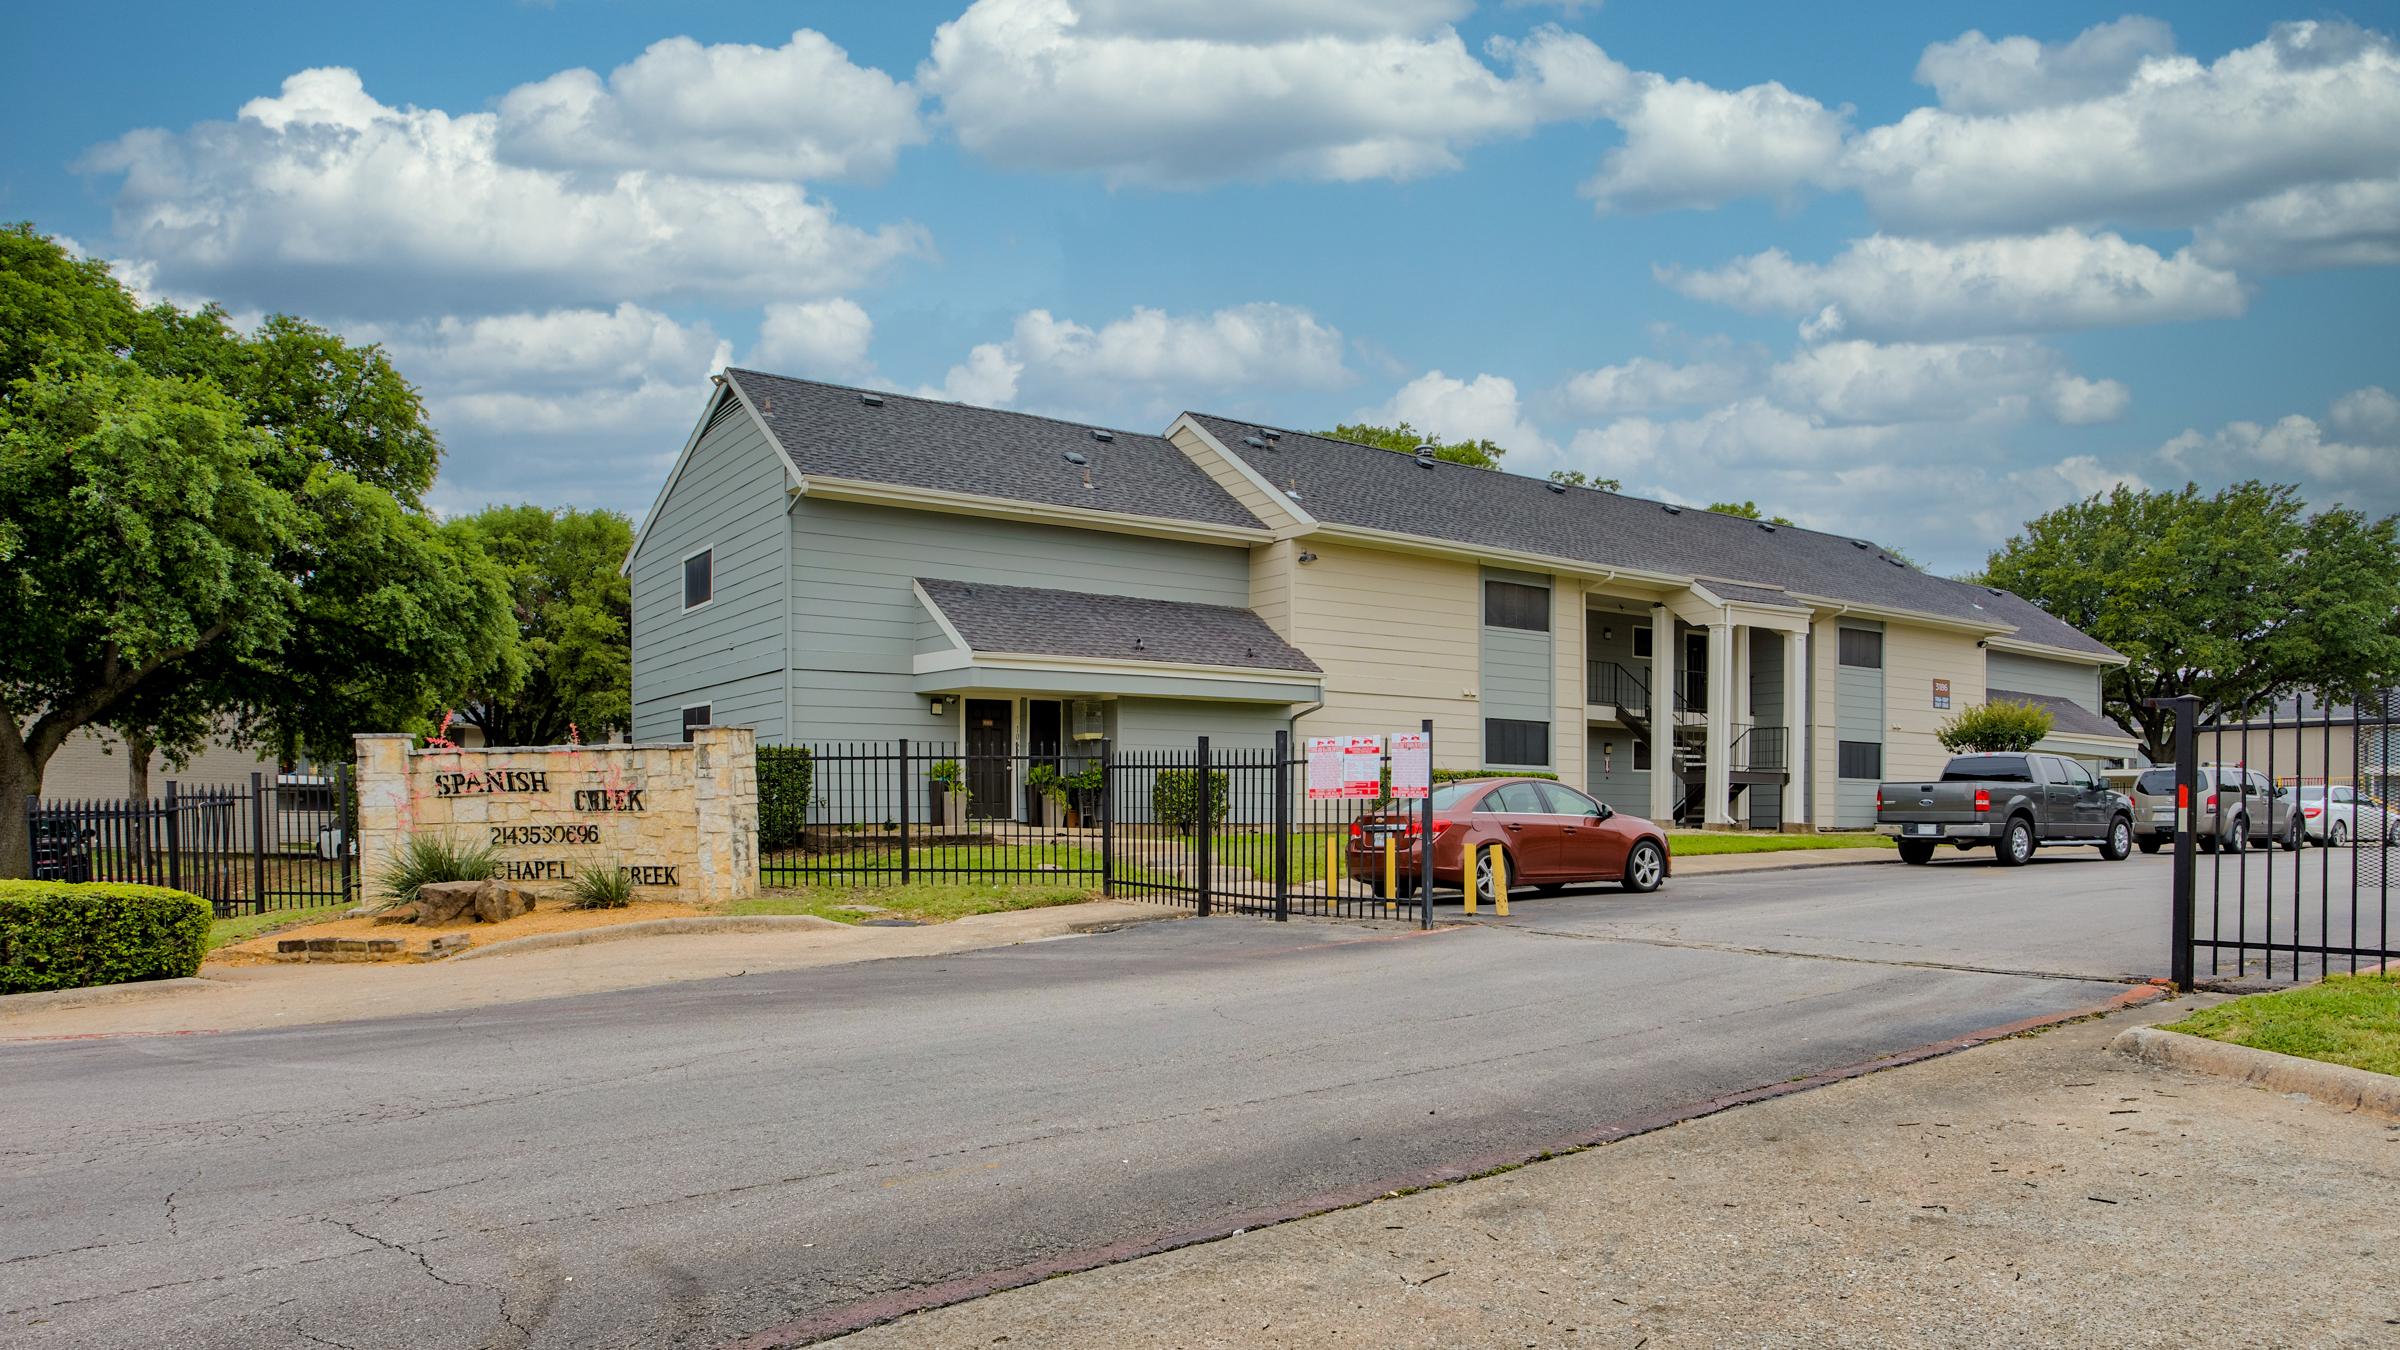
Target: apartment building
830 563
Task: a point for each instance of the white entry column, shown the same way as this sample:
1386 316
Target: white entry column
1795 721
1716 808
1664 786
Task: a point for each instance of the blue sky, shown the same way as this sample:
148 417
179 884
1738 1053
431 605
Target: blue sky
1917 276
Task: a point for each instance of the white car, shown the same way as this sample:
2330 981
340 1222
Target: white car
2347 816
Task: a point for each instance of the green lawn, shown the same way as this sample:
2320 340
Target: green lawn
248 926
923 902
1256 851
2348 1019
864 866
1696 843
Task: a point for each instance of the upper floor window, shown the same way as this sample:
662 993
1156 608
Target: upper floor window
1509 740
1641 642
700 578
1509 604
1862 647
694 718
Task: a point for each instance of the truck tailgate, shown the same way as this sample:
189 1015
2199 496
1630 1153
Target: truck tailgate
1934 803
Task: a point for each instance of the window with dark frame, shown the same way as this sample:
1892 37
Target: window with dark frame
1509 740
700 578
1641 643
1510 604
1860 759
694 718
1862 647
1641 754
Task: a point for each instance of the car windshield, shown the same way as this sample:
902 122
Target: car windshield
1447 795
1989 769
2157 782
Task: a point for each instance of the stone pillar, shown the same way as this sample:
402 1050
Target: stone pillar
1664 786
1722 702
725 806
1795 721
386 810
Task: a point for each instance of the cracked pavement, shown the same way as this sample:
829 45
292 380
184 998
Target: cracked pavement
695 1163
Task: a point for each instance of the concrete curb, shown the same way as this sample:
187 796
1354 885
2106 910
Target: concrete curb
1789 860
699 923
99 995
2336 1085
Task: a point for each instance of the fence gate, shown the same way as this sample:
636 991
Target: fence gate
269 844
2286 844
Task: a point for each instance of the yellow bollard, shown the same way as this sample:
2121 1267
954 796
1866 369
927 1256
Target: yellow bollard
1470 879
1499 881
1391 873
1333 869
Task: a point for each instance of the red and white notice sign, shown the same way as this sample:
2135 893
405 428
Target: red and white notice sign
1362 766
1324 767
1412 764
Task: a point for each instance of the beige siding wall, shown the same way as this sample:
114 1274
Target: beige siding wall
92 764
1397 637
1271 509
1271 586
1913 658
1823 730
1568 741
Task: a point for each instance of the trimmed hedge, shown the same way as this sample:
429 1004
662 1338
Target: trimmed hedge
787 775
1175 798
67 935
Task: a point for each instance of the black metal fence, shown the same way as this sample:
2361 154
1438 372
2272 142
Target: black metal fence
1222 830
2297 881
276 843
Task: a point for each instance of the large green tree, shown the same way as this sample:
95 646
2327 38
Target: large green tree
574 614
203 530
2240 597
1481 454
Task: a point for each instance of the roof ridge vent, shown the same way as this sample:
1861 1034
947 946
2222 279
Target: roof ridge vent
1859 543
871 400
1556 487
1671 509
1424 456
1077 457
1255 442
1099 435
1768 526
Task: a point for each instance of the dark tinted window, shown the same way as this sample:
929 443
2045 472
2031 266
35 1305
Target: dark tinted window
1508 740
2156 782
1641 642
1566 801
1641 754
1860 759
1516 799
694 718
1507 604
1862 647
699 578
1988 768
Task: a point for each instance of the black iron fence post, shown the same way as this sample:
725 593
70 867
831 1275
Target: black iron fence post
2186 711
1425 838
174 841
1283 826
1108 831
1206 809
345 835
258 840
904 865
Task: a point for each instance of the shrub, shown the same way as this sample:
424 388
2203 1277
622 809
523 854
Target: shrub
1045 781
945 772
607 887
1998 726
1175 798
426 858
787 778
66 935
1453 775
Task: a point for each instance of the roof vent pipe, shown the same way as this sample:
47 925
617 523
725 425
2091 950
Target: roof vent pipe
1425 456
1556 487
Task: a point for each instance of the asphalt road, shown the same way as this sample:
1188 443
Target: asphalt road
698 1163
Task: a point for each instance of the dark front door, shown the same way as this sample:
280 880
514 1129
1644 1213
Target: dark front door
987 766
1695 670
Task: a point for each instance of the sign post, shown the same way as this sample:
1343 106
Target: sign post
1412 778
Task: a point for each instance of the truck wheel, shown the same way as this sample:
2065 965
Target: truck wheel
2120 840
2239 840
2016 846
1916 852
2151 843
2291 837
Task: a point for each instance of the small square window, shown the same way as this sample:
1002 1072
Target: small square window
1641 754
694 718
1641 643
1508 740
1862 647
1860 759
700 578
1509 604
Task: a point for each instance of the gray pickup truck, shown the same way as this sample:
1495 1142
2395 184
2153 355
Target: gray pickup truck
2013 802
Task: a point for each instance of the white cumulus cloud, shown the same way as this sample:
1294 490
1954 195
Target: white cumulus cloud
322 198
798 111
1150 354
1888 286
1975 74
1866 382
2356 463
1647 384
1690 145
1484 408
1186 95
814 339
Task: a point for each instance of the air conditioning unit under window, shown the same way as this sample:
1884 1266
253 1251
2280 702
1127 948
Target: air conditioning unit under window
1086 718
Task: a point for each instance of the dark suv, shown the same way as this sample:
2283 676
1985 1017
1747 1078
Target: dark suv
62 849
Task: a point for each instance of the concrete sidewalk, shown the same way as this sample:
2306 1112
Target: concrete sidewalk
1716 864
247 997
2036 1191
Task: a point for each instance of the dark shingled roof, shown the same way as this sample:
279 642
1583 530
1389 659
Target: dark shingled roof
1030 620
2067 717
925 443
1347 484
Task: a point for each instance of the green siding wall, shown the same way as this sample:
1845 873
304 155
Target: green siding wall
2036 675
1516 671
1858 716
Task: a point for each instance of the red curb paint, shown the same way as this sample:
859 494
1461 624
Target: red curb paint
830 1322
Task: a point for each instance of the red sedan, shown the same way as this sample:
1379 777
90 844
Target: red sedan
1551 835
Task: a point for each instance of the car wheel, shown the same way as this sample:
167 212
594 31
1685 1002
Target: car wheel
2120 840
2151 843
2340 834
2206 843
1645 867
1485 891
2238 840
2291 837
2016 846
1916 852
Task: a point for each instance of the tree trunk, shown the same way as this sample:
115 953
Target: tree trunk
20 779
137 793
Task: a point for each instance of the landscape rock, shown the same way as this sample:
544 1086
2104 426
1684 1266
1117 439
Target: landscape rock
498 900
446 901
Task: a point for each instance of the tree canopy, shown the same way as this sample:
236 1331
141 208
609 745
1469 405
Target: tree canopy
204 530
574 615
1578 478
1406 438
1747 510
2002 725
2240 597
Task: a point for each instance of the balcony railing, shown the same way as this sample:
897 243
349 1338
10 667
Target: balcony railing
1612 684
1760 749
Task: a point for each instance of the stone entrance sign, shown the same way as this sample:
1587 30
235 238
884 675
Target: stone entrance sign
681 819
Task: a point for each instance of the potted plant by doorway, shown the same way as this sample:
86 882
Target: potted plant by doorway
1083 795
949 799
1049 794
